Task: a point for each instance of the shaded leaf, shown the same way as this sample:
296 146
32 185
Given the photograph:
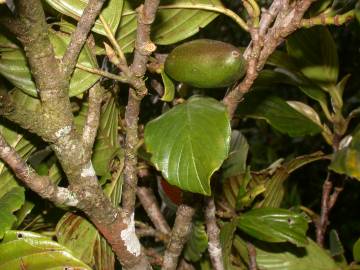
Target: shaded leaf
235 164
356 251
189 143
315 53
274 179
274 225
171 25
227 231
346 161
14 67
336 248
197 243
106 144
26 250
111 12
277 113
169 88
9 203
288 257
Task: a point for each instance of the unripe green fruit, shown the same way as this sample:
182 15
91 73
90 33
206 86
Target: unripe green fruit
206 63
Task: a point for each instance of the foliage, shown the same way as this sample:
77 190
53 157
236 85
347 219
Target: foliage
300 112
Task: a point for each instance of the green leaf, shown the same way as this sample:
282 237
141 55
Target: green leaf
18 139
274 225
189 143
336 247
14 67
111 12
277 113
26 250
356 251
169 87
197 243
346 161
315 53
9 203
226 240
288 257
171 25
106 143
274 179
235 164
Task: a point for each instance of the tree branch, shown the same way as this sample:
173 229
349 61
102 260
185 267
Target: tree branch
143 48
42 185
150 205
264 42
93 116
179 235
78 38
213 232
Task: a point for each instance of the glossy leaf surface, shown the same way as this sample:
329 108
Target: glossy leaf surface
277 113
315 53
111 12
288 257
14 67
171 25
9 203
274 225
26 250
189 143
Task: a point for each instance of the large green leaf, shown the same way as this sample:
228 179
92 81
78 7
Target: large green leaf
74 8
315 52
26 250
197 243
171 25
346 160
288 257
274 225
14 67
189 143
280 115
9 203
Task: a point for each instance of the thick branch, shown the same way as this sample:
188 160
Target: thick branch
179 235
213 233
42 185
80 34
143 48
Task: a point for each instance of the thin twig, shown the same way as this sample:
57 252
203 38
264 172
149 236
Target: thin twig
179 236
150 205
42 185
327 203
78 38
252 256
102 73
93 116
324 19
213 232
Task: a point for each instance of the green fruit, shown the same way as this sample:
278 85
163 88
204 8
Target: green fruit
206 63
